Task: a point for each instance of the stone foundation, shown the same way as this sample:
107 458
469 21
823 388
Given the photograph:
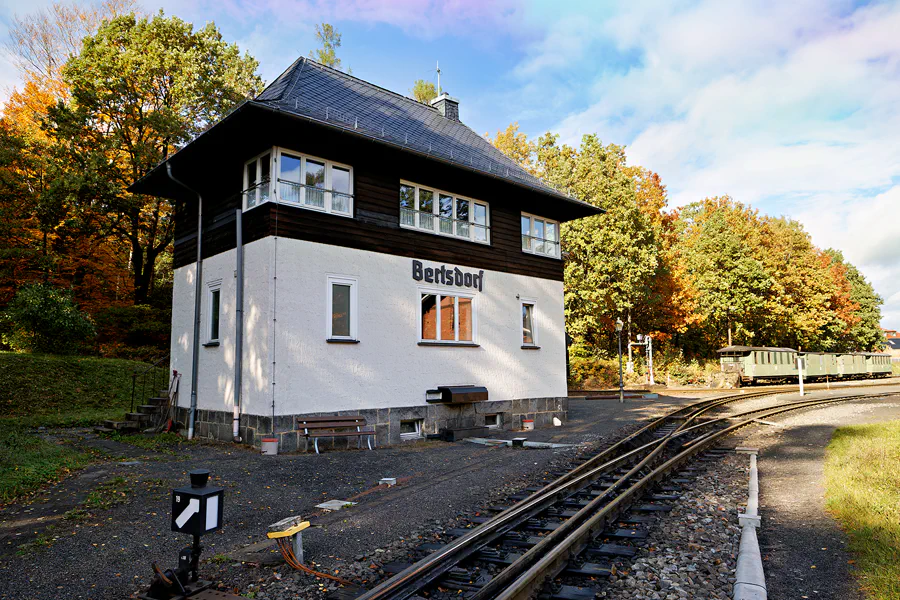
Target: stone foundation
217 424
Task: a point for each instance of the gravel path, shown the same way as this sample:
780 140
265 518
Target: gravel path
803 548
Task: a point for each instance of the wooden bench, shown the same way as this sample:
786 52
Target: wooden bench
333 426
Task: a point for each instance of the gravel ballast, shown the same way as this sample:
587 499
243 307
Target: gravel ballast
691 552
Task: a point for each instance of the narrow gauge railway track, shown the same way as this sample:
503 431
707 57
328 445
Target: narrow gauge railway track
555 529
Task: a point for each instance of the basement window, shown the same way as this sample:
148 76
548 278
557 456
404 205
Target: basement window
411 429
492 421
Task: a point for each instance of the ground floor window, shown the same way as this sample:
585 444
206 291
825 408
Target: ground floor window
446 318
340 307
214 302
411 429
529 334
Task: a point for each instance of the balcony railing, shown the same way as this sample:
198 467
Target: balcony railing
543 246
428 221
292 192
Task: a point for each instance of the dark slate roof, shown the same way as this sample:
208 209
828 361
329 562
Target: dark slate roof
310 90
893 343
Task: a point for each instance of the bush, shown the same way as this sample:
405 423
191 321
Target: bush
136 332
591 372
42 318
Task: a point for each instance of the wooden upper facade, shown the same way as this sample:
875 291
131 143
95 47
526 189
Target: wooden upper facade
213 165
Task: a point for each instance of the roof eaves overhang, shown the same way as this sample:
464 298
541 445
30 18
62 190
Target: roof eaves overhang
574 202
141 186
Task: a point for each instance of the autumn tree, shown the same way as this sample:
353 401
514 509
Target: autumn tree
423 91
863 330
610 259
330 40
55 240
139 88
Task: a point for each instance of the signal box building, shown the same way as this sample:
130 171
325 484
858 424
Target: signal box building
395 265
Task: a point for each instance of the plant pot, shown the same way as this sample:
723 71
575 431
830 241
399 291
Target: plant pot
528 424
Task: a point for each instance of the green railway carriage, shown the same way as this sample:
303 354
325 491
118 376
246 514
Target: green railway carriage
818 365
851 364
878 364
760 363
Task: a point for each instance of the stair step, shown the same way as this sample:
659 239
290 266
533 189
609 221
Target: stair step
103 430
158 400
148 409
120 425
138 417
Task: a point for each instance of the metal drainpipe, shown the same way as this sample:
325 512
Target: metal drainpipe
239 323
198 288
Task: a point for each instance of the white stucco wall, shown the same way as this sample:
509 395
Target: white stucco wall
216 381
387 368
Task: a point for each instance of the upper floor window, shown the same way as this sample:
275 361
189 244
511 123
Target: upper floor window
301 180
540 236
257 180
443 213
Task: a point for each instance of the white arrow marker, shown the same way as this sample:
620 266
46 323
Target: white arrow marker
192 509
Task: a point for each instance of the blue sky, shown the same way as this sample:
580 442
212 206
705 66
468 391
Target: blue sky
791 107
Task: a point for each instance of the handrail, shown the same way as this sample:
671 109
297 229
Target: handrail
153 370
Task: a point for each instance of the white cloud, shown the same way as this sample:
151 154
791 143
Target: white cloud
788 106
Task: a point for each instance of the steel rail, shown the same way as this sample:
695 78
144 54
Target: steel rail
556 558
433 566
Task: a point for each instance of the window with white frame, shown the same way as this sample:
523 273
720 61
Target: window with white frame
446 317
301 180
341 317
442 213
540 236
492 421
529 331
214 302
411 429
257 179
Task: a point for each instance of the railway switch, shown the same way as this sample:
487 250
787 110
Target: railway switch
196 510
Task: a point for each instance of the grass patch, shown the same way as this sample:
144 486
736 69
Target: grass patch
48 390
41 542
27 462
108 494
164 443
863 492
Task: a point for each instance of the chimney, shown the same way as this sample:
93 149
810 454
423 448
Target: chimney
447 106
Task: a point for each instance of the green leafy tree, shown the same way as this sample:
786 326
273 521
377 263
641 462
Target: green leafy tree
330 39
864 331
42 318
139 88
717 252
424 91
610 259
